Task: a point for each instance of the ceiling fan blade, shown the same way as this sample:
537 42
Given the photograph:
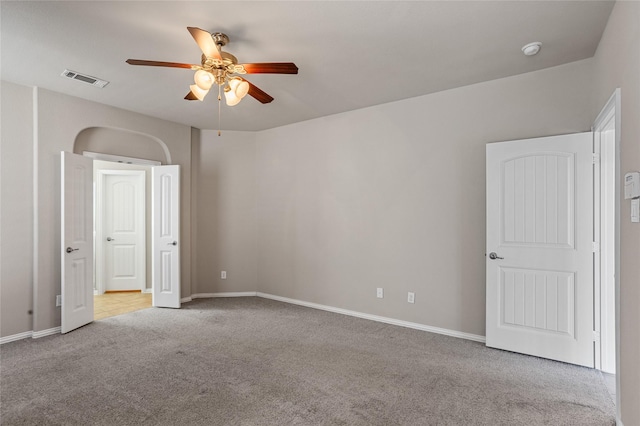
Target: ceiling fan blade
190 96
161 64
205 41
271 68
259 94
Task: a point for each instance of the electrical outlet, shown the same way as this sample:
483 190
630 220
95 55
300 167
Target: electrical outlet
379 293
411 297
59 300
223 275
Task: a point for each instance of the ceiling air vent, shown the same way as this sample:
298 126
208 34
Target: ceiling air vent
94 81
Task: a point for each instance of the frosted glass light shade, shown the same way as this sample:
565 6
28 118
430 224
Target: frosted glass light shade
239 87
231 97
203 79
200 93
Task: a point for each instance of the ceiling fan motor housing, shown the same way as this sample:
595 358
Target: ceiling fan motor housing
221 39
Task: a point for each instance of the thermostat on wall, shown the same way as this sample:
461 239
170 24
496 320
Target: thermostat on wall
631 185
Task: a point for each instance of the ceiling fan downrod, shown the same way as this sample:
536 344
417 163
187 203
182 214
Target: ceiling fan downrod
219 111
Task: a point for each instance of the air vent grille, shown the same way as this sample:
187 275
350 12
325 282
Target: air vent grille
94 81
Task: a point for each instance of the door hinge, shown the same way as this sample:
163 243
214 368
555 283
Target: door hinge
595 246
596 336
596 158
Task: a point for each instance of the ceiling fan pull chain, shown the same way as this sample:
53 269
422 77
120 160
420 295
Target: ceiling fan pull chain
219 109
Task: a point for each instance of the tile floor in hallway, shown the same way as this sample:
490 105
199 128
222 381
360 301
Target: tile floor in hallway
111 304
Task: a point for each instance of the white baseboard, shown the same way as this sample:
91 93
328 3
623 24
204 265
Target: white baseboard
15 337
392 321
210 295
28 334
47 332
386 320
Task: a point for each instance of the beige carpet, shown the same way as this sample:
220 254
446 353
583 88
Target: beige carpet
251 361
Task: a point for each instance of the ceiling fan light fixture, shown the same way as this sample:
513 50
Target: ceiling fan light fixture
198 92
230 97
204 79
239 87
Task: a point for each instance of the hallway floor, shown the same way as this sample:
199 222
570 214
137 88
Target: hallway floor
111 304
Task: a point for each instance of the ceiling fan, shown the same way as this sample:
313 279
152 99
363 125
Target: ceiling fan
222 68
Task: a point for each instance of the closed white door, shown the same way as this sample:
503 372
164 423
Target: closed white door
165 228
123 229
76 183
539 247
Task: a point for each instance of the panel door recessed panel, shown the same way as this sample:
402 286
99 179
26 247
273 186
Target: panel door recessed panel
538 300
538 204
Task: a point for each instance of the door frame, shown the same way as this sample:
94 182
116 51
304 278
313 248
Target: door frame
99 286
611 107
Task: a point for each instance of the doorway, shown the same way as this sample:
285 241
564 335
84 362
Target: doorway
120 230
122 243
77 250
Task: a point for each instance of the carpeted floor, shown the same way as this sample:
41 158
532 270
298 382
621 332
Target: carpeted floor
252 361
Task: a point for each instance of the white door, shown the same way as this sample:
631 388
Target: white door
76 183
123 230
165 228
539 247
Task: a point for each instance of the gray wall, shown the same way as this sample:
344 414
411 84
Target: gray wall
16 209
393 196
224 199
617 64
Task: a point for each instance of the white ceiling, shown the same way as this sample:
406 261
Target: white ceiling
351 54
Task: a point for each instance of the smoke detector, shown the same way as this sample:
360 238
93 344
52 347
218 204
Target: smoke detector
531 48
94 81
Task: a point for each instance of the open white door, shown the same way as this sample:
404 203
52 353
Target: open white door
165 229
123 230
539 247
77 240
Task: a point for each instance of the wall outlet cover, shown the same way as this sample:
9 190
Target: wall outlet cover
411 297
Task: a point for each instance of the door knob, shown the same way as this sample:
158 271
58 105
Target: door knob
175 243
494 256
110 239
69 249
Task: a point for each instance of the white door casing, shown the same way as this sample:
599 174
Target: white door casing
121 235
540 225
165 228
605 235
77 241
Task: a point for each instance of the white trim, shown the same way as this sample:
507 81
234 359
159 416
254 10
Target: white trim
392 321
212 295
120 159
15 337
613 106
400 323
36 211
47 332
